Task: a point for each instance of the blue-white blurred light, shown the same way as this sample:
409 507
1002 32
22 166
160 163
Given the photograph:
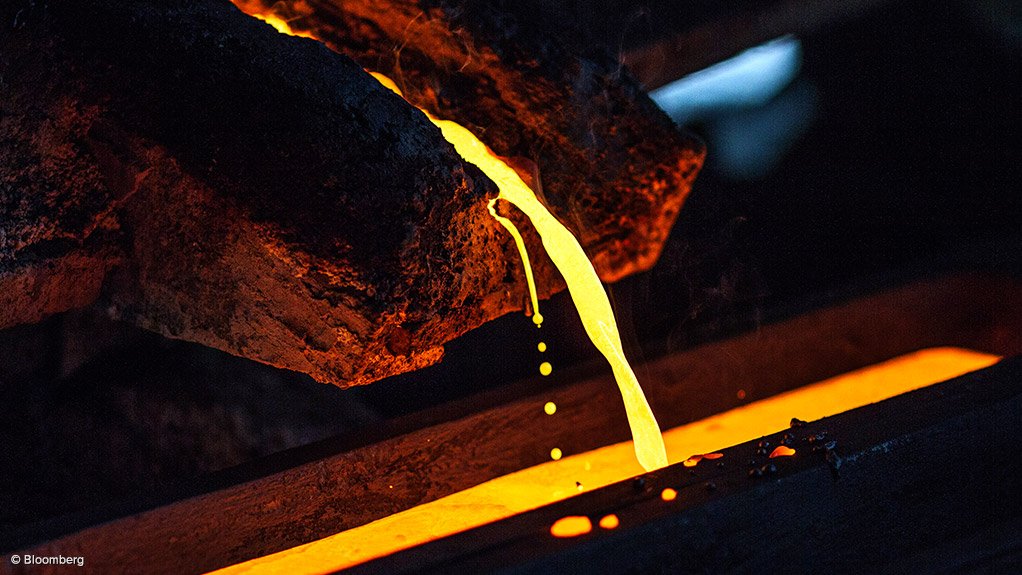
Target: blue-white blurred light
748 144
750 79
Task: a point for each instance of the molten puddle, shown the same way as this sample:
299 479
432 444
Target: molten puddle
571 526
557 480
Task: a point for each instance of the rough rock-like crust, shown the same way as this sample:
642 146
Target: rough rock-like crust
215 181
613 167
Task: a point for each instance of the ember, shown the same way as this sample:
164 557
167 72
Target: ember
782 451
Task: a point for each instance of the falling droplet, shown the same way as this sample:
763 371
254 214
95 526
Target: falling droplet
541 347
550 408
545 368
555 453
609 521
668 494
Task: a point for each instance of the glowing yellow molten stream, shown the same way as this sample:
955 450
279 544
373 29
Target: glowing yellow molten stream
565 252
537 318
584 285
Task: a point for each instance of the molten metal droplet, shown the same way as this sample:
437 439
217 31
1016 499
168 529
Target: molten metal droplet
668 494
571 526
550 408
545 368
609 521
782 451
541 347
555 453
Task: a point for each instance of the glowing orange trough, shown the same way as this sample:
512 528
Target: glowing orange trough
556 480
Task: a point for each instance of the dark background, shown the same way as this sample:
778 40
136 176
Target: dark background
908 167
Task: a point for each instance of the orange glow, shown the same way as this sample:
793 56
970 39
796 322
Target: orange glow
609 521
253 8
556 480
669 494
571 526
782 451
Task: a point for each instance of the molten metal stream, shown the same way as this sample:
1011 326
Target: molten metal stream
583 284
566 253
